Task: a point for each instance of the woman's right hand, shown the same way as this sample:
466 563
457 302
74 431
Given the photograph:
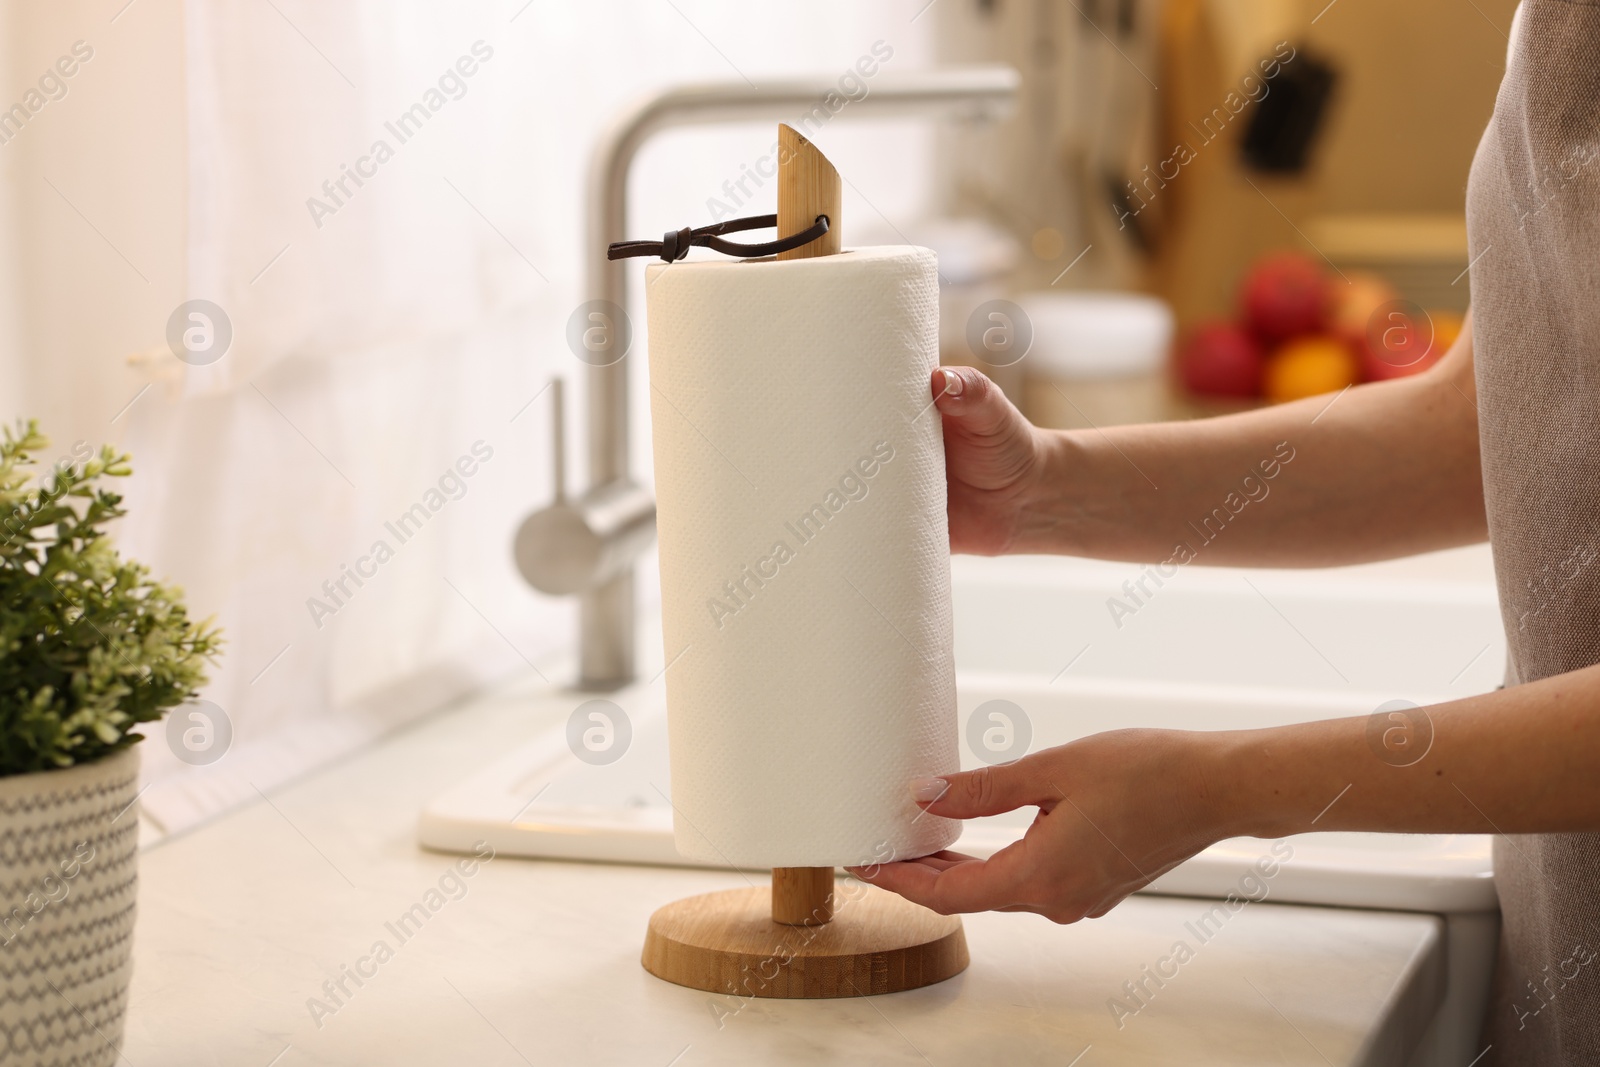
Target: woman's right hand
993 459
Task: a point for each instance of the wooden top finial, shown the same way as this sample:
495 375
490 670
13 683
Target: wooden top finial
808 186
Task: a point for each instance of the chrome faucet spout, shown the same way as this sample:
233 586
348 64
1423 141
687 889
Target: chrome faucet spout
607 622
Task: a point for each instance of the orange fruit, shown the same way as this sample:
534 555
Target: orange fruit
1307 367
1446 328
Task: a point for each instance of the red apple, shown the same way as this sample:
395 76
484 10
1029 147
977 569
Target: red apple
1402 339
1285 295
1220 359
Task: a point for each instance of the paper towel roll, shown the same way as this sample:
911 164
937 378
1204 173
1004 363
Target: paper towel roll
805 556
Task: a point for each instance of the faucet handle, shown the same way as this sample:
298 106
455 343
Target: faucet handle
570 546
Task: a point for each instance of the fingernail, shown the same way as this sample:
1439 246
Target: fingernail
927 790
953 385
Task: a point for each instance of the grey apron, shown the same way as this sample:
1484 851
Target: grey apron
1533 218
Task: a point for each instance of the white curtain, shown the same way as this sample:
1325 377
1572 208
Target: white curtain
387 334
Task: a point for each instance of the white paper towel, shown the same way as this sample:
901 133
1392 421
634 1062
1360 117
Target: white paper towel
805 556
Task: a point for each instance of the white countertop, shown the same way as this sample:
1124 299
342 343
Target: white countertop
242 921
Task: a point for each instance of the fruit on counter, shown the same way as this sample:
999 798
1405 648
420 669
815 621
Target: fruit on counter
1283 296
1309 366
1300 330
1221 359
1351 306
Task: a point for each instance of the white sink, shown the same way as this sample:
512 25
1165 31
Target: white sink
1428 628
564 808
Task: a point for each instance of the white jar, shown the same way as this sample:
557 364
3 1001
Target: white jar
1097 358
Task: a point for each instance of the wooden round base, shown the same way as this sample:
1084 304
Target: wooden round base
877 943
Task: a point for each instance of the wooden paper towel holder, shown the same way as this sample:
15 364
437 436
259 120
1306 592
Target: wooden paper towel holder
794 942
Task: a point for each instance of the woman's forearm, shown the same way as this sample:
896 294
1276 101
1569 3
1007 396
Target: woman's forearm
1380 471
1518 760
1117 809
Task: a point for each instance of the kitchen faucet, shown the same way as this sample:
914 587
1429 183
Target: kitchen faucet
588 545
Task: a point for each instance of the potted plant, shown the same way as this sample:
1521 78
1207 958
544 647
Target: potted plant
90 647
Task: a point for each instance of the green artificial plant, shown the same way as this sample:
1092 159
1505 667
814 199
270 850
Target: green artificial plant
90 646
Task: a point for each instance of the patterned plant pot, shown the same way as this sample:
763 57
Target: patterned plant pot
68 875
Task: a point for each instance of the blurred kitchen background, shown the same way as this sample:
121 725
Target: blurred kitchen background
1196 206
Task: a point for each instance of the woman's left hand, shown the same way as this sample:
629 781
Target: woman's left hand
1116 810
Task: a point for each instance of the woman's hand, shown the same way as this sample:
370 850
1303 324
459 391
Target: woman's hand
1116 810
992 460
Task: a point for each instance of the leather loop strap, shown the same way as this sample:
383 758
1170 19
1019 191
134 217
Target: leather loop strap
675 244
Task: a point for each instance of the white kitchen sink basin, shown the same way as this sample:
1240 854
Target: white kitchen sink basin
1205 649
1426 630
620 812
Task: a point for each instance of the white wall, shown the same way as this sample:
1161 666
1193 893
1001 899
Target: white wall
95 186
